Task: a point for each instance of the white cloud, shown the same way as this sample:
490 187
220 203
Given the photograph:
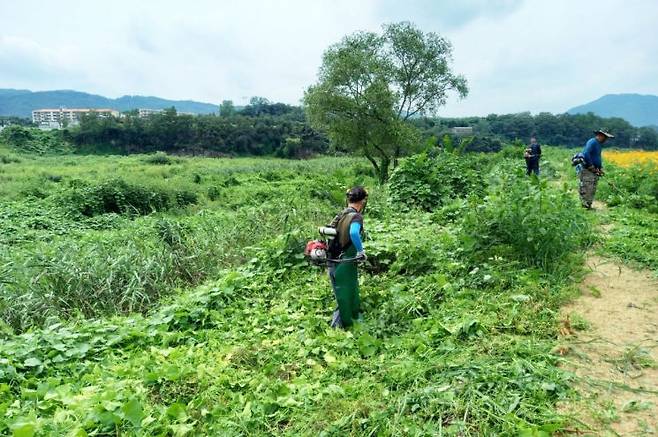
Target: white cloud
549 56
517 55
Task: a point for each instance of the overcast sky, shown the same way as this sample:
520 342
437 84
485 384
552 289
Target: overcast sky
516 55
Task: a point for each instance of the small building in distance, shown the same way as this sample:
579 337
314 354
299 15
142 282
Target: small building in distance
146 112
58 118
461 130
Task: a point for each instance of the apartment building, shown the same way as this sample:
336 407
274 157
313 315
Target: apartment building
145 112
56 118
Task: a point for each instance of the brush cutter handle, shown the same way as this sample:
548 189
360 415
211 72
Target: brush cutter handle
346 260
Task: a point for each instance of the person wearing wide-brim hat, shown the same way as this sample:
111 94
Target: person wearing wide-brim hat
592 167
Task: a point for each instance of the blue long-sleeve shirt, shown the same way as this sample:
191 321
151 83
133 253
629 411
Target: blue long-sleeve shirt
355 236
592 153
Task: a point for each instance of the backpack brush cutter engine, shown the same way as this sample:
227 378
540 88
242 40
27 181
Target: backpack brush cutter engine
577 159
316 251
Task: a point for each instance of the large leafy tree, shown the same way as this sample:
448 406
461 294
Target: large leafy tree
370 85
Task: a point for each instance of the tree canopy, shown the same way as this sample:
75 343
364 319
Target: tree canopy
370 85
279 130
570 130
227 109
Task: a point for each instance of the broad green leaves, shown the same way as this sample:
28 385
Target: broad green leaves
133 412
456 337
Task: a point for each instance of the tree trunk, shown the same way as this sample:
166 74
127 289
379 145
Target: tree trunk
383 170
381 167
395 157
373 162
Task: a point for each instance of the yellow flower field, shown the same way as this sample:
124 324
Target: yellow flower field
629 158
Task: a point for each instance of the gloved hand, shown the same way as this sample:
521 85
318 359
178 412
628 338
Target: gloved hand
361 256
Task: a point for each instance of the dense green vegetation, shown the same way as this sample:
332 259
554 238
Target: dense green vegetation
633 237
632 194
160 295
569 130
152 282
263 128
166 294
6 120
636 187
31 140
176 221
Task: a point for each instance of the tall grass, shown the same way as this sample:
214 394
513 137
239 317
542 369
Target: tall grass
81 249
460 310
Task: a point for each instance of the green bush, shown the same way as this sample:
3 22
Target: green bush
8 159
213 193
159 158
481 144
527 219
34 190
33 140
185 197
120 197
411 247
426 183
512 151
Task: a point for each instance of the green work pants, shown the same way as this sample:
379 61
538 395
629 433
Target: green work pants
345 282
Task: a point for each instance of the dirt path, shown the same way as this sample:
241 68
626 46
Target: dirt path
610 342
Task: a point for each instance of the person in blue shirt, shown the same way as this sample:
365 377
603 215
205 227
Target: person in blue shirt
532 156
592 167
347 249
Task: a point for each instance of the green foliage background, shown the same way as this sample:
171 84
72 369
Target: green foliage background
185 307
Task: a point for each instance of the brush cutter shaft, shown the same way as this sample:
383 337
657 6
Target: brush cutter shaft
328 231
346 260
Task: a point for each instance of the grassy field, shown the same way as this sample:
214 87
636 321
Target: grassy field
158 295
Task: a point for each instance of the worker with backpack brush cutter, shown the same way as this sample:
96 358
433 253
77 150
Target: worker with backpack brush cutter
532 155
590 166
344 251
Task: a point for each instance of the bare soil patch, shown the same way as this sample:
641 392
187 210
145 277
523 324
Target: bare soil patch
610 342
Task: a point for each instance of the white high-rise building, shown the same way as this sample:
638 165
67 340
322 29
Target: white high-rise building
57 118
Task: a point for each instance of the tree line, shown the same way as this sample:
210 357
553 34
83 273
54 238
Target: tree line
277 129
261 128
8 120
569 130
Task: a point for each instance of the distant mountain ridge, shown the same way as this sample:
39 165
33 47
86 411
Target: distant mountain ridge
637 109
21 103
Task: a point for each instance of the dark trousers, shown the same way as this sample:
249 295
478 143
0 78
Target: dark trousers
532 166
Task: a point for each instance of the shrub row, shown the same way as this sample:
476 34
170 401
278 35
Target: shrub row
427 181
120 197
